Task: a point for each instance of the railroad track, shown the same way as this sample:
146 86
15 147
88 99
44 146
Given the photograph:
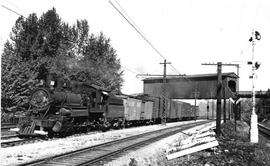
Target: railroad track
17 142
13 143
102 153
8 137
264 131
7 127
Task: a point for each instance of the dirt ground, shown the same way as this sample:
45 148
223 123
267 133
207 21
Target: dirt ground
234 149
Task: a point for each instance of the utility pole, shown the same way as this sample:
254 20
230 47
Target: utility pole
224 90
219 95
213 108
230 110
164 92
207 107
226 64
195 94
224 104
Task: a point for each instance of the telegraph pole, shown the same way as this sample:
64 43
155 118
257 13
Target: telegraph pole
164 92
195 94
224 104
219 95
237 88
207 107
219 90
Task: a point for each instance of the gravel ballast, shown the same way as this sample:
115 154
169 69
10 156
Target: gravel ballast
29 152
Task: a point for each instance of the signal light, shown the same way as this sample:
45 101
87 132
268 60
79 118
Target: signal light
257 35
257 65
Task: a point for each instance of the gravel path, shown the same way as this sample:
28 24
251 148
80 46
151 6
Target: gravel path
28 152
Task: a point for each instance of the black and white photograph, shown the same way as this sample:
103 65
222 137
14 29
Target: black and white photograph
135 82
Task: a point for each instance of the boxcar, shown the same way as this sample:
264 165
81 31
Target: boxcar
147 110
173 110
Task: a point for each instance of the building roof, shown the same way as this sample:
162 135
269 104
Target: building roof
196 76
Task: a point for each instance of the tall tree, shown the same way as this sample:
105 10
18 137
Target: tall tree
17 79
100 61
39 46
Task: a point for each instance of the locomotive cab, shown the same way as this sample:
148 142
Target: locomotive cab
60 107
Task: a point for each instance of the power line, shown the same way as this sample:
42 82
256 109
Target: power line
13 11
65 39
14 5
129 70
139 31
130 18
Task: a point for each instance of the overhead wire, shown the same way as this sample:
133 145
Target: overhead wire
66 39
130 21
129 70
14 5
13 11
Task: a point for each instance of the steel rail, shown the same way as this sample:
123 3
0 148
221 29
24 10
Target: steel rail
8 137
97 153
13 143
7 127
264 131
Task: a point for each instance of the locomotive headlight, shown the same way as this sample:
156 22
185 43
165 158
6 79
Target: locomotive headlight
52 83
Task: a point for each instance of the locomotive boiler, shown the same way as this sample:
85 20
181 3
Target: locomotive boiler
60 107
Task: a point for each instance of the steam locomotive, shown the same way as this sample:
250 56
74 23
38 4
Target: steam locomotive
60 107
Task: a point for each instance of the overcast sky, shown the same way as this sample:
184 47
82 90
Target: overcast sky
186 32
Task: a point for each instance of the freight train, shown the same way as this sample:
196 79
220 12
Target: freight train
59 107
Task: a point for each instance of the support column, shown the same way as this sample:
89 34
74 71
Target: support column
224 104
219 96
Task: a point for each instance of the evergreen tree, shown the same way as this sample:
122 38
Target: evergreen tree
101 63
39 46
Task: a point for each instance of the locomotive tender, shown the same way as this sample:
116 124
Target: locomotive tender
61 107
